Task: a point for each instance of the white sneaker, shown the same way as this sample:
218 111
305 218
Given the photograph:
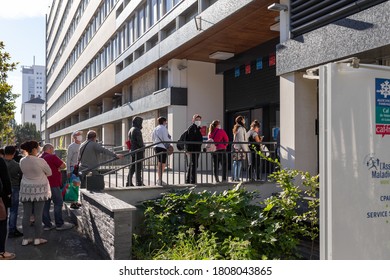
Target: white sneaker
160 183
65 226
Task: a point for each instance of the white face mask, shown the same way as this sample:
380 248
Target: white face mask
79 138
198 123
218 126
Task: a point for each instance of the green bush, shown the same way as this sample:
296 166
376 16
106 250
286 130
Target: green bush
204 225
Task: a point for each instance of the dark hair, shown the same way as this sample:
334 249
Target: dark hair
28 146
255 123
2 151
9 150
91 134
161 120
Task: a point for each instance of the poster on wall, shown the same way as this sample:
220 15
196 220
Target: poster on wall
354 163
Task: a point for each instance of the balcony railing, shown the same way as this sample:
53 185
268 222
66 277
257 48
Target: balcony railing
115 171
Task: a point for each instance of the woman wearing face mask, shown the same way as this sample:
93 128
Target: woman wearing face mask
240 150
219 156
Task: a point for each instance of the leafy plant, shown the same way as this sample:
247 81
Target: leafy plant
228 225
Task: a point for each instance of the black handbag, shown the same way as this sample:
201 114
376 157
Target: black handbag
76 167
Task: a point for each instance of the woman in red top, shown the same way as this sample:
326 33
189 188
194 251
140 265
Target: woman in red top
219 156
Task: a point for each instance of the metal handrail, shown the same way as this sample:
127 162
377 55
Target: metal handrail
177 164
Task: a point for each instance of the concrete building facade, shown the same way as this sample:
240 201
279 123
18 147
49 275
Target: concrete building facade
110 60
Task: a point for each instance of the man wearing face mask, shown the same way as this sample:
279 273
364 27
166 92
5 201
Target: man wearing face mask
193 150
73 152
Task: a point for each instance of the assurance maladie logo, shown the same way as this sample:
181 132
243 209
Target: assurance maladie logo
379 169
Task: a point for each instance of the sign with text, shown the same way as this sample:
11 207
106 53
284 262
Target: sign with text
354 106
382 106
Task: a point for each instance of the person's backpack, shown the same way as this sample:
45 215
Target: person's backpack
180 143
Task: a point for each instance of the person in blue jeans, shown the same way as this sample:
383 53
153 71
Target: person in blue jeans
55 181
15 174
240 150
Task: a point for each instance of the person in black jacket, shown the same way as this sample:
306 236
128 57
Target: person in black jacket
137 145
5 195
193 150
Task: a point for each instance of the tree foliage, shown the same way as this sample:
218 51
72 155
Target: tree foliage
7 98
27 131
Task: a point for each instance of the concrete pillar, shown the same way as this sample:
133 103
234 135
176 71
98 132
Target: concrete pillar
83 115
107 104
93 111
125 130
75 119
298 114
108 134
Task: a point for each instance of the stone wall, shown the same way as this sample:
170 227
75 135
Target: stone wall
107 222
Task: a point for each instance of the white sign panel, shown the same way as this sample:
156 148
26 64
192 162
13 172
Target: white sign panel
354 162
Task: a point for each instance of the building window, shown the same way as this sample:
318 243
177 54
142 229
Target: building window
34 116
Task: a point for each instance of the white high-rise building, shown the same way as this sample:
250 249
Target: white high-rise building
34 82
33 94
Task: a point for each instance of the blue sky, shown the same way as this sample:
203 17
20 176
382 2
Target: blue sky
22 29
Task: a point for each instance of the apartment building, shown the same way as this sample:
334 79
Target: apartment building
110 60
33 94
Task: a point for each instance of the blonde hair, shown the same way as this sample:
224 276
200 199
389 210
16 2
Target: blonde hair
239 123
213 125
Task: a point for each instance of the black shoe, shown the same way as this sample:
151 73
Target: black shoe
140 185
129 185
217 180
15 234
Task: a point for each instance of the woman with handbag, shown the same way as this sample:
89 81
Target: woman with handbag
239 150
219 155
34 191
159 136
5 202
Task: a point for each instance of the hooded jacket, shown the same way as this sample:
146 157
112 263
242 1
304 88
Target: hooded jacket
135 134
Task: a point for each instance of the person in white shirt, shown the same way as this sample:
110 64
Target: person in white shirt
73 152
159 136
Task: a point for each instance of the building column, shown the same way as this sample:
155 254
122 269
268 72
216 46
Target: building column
93 111
298 114
107 104
125 130
108 133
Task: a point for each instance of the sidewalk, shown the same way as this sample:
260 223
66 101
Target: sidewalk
62 245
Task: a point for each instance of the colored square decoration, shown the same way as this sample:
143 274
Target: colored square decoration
272 59
248 69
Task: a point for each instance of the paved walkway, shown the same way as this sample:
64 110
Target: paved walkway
62 245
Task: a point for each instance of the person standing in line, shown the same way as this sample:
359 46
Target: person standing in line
89 154
73 152
219 156
137 145
5 202
193 150
55 180
15 174
240 150
160 134
253 136
34 192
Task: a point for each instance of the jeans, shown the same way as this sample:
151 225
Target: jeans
219 157
13 212
192 165
237 165
255 166
56 196
29 208
136 168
